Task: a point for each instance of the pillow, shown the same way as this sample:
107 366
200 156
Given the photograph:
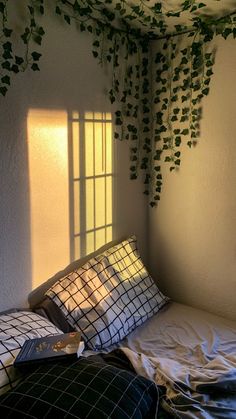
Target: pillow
15 329
48 309
109 296
82 389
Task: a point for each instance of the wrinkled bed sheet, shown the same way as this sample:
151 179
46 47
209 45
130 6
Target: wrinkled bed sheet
193 354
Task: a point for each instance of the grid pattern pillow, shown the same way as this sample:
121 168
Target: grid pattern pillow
15 329
82 389
109 296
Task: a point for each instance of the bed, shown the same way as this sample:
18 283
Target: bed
166 359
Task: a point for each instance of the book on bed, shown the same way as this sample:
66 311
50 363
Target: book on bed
50 348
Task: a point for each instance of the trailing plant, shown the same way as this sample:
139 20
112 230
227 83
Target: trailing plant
10 61
161 69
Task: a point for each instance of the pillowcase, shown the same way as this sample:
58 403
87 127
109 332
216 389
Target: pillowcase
109 296
15 329
83 389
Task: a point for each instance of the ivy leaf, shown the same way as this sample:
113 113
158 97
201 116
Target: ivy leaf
6 65
32 23
36 55
205 91
118 6
58 10
209 63
157 8
6 80
35 67
18 60
200 5
118 121
31 10
7 46
15 68
226 33
96 43
6 55
177 141
185 111
37 40
176 111
67 19
194 74
2 8
24 37
76 6
41 31
3 89
163 128
7 32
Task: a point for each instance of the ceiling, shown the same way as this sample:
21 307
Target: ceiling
214 8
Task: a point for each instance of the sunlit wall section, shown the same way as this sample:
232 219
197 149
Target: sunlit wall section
92 181
49 194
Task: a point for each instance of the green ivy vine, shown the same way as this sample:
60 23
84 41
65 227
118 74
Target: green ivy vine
161 69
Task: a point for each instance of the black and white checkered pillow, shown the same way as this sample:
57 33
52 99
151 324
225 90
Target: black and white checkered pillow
109 296
15 329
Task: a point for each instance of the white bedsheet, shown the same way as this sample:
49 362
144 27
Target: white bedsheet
192 353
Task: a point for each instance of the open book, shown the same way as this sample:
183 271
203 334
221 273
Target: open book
50 348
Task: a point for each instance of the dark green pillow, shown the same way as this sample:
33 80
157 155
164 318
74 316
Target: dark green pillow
82 389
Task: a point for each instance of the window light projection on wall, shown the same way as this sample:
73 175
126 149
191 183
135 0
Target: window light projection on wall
71 187
91 178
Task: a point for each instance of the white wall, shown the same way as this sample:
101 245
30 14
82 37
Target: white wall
192 236
69 78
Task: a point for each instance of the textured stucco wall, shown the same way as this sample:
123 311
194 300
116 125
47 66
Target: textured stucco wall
192 237
70 78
